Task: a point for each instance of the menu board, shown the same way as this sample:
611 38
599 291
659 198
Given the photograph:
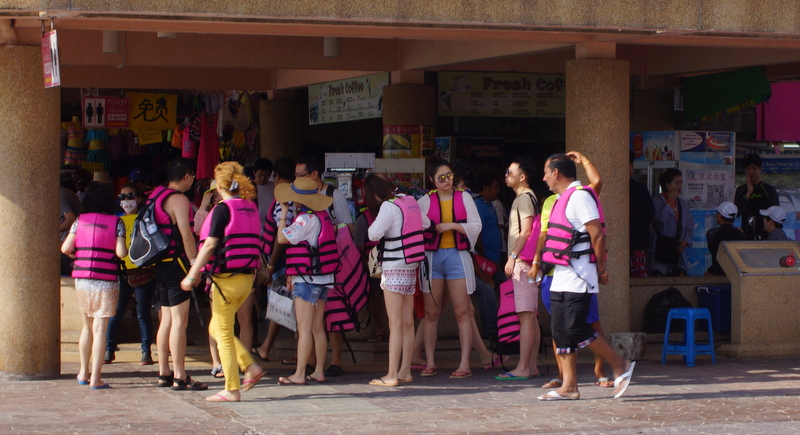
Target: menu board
347 100
501 94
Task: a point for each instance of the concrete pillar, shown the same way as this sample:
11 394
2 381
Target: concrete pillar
29 197
279 129
597 123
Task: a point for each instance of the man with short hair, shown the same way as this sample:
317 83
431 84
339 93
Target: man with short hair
526 293
574 283
489 245
773 223
262 171
725 231
310 167
174 216
754 196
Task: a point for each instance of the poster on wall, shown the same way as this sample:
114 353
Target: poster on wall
152 111
347 100
50 61
105 112
654 145
501 94
407 141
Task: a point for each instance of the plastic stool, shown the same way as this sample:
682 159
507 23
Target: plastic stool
689 348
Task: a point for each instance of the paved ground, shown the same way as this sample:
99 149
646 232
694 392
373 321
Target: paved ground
734 396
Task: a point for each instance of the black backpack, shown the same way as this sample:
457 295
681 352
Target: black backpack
655 320
148 244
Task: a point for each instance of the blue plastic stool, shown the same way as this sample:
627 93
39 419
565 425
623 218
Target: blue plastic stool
689 349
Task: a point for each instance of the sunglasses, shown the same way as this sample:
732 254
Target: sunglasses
124 196
300 174
443 177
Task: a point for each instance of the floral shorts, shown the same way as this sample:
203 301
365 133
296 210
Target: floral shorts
403 281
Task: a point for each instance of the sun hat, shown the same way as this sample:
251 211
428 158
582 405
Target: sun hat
211 188
728 210
775 213
101 177
303 191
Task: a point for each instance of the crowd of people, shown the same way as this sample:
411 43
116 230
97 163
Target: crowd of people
445 245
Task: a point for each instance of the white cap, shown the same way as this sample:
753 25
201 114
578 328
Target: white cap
775 213
728 210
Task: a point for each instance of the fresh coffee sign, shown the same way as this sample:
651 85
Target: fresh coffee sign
501 94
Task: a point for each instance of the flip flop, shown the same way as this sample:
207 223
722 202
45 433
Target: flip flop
290 361
313 379
622 383
102 387
554 383
429 372
247 385
507 376
287 381
381 383
333 371
459 374
255 352
220 398
80 382
604 383
496 362
553 395
419 367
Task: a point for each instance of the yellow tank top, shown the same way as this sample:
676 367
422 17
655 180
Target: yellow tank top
128 221
448 237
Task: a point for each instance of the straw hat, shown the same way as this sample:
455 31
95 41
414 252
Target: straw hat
211 188
303 191
102 177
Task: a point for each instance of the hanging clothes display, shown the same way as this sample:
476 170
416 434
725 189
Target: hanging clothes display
97 138
208 154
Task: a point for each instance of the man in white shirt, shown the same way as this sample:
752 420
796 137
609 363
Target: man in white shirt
262 170
573 284
340 214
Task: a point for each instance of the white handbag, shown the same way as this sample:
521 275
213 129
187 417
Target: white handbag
280 308
374 268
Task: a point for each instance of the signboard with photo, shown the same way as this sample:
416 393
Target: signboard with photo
347 100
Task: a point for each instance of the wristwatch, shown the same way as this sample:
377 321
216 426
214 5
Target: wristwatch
513 255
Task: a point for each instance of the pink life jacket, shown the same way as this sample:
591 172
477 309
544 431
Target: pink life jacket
95 247
369 244
349 295
241 247
529 250
432 238
270 228
508 326
165 225
562 236
302 259
412 243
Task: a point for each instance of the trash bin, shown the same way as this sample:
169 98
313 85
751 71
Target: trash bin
717 299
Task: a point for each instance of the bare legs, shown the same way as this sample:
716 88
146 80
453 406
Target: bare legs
457 290
400 311
529 338
311 336
91 348
172 338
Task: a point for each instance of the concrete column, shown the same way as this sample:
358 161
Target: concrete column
279 129
597 125
29 197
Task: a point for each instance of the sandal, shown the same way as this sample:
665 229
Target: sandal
429 372
217 372
164 381
460 374
257 353
250 383
604 383
187 384
554 383
497 361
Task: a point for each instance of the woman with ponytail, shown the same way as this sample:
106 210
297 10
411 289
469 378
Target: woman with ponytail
230 248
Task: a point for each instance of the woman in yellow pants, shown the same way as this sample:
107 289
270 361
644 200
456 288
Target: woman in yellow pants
230 249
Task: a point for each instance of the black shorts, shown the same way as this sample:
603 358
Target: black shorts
568 321
169 275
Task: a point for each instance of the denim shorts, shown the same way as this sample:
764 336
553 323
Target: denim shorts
310 293
446 264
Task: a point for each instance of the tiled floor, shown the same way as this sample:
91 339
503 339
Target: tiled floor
734 396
